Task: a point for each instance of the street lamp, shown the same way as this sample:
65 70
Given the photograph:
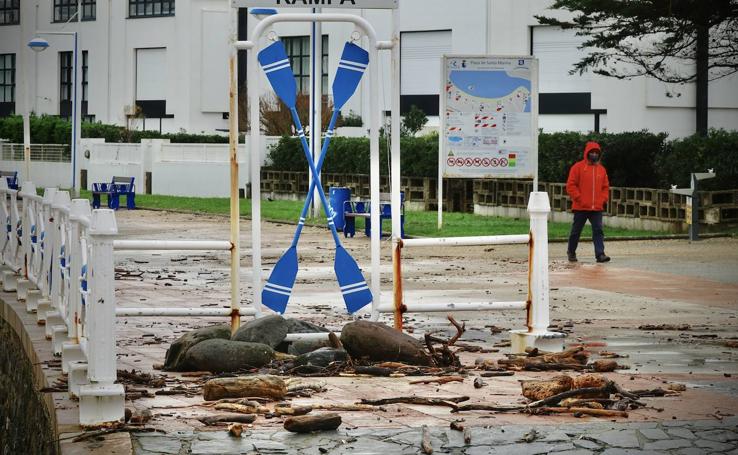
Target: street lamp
39 44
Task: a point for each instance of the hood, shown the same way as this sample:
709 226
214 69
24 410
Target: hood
592 145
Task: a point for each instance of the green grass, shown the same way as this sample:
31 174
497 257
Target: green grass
416 223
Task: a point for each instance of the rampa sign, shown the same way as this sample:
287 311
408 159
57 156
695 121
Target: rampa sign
358 4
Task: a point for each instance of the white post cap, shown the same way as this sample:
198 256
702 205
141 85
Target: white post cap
28 188
103 222
80 209
538 202
49 195
61 199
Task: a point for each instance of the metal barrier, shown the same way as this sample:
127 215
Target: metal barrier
57 254
536 303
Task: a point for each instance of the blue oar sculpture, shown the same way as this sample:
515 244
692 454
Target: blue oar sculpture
276 65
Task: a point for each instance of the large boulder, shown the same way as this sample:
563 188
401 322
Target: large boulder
321 357
226 355
377 341
270 330
175 357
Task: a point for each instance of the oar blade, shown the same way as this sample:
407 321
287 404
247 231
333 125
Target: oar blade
351 67
356 293
276 65
278 288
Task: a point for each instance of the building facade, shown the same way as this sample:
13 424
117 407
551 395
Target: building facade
162 64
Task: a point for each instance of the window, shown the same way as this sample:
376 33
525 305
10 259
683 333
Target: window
66 83
89 10
298 50
66 9
7 84
150 8
9 12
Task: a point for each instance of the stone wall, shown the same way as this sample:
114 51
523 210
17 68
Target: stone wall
26 423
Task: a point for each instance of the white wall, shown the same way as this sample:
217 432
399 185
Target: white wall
196 50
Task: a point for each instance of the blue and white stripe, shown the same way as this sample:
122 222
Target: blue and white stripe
276 66
351 65
277 289
302 221
356 287
301 132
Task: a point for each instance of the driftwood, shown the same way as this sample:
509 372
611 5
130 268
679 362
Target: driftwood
425 441
555 399
495 374
266 386
604 365
240 408
287 409
451 402
441 380
583 411
308 424
344 407
571 359
227 418
538 390
374 371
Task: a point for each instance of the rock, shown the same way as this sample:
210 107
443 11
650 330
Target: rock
270 330
303 346
539 390
310 423
265 386
175 357
322 357
378 341
226 355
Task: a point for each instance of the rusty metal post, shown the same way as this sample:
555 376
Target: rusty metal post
397 279
233 142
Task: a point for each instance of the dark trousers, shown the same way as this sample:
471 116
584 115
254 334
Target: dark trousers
598 236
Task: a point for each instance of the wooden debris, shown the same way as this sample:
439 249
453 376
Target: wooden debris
226 418
583 411
682 327
235 430
241 408
592 380
245 386
538 390
495 374
441 380
467 436
344 407
675 387
287 409
310 423
571 359
460 329
604 365
425 441
427 401
456 425
373 371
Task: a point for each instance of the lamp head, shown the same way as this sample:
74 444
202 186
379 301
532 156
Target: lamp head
261 13
38 44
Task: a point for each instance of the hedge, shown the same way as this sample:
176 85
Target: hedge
48 129
632 159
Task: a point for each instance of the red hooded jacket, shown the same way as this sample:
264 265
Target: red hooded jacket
587 184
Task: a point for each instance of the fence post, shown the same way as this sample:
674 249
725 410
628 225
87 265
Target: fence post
45 244
102 400
27 190
10 275
537 334
57 317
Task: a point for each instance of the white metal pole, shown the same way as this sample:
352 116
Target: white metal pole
101 305
375 119
28 189
439 191
76 114
316 100
79 210
234 203
539 208
396 172
26 76
253 88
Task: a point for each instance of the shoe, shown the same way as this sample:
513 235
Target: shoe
603 258
572 257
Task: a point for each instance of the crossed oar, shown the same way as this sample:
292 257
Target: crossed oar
276 65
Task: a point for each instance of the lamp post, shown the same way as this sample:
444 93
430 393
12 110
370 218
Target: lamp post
39 44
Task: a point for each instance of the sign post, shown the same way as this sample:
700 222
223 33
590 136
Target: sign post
489 119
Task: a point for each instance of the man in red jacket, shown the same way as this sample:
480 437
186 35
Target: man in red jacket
589 190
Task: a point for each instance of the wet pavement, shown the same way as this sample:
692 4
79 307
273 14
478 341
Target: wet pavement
601 305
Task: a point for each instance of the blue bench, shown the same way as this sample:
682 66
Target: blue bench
11 177
114 190
362 209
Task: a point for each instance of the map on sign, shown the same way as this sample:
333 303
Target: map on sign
487 117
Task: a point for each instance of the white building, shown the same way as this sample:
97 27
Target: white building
169 57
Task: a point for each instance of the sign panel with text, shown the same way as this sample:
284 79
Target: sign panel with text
354 4
488 117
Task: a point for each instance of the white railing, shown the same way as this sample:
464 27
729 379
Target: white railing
57 254
113 152
54 153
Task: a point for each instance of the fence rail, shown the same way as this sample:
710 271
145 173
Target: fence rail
52 153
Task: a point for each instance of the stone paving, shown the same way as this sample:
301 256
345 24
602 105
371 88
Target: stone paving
669 437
